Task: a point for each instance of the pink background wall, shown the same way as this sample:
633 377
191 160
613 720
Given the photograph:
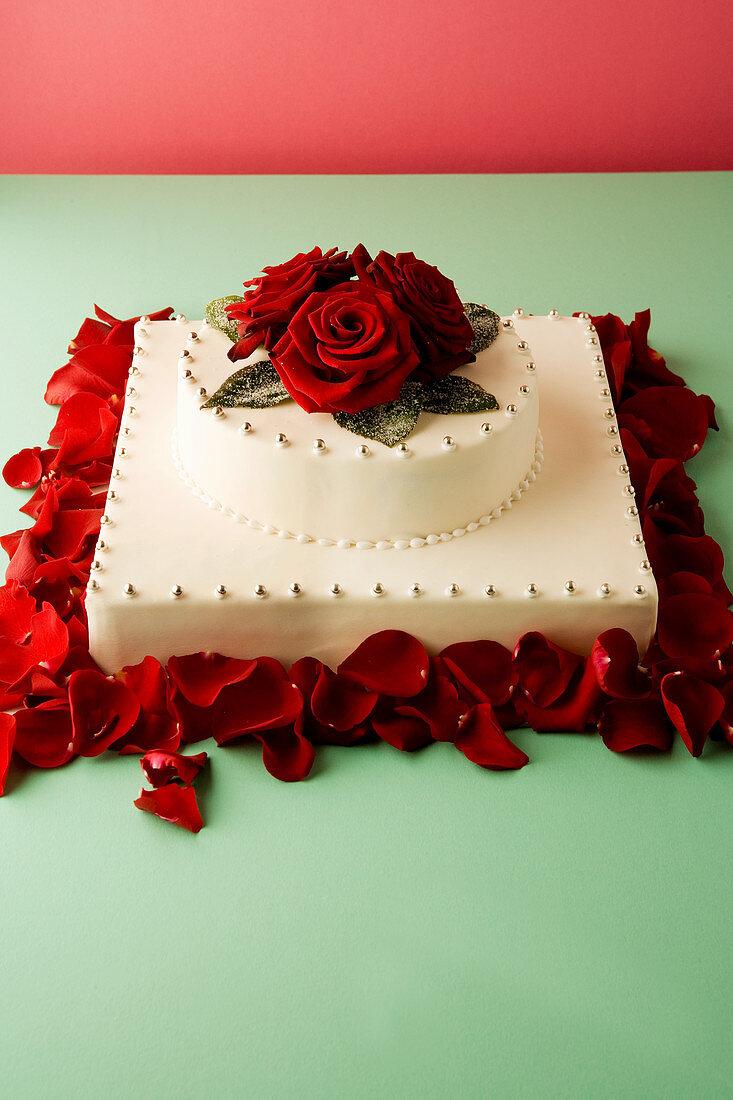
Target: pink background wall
365 86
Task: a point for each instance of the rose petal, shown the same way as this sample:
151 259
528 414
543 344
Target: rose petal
286 753
156 726
404 732
200 677
265 700
627 724
43 735
615 658
177 805
544 669
102 711
481 739
437 706
24 469
694 625
484 669
390 662
338 703
575 710
694 707
161 768
7 738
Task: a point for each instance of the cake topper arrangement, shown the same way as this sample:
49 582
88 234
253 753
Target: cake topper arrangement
374 342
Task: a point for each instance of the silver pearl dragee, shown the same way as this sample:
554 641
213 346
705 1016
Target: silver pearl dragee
524 390
184 354
105 520
123 452
319 446
584 316
486 428
617 449
623 470
202 391
218 413
639 591
628 491
590 329
452 589
129 590
295 589
97 565
609 414
531 367
145 320
519 312
553 314
597 358
415 589
131 411
600 374
507 323
570 588
362 451
102 545
523 345
181 319
448 443
138 350
336 590
604 393
93 585
612 429
637 539
131 392
245 428
489 590
604 590
632 511
259 591
531 590
193 337
645 566
281 440
377 589
113 496
187 375
512 410
592 341
403 451
127 431
135 371
221 592
176 592
117 475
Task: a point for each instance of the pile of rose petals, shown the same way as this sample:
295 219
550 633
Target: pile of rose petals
55 703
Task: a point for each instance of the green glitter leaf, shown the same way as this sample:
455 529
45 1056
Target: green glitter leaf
485 325
257 386
389 423
456 394
217 316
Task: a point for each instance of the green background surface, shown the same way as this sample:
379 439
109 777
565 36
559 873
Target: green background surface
398 925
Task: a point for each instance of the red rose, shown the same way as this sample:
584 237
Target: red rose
266 310
345 350
440 329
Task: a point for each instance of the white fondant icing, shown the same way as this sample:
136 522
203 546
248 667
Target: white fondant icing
572 524
334 493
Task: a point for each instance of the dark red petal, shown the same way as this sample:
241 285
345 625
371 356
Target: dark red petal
100 369
615 658
338 703
573 712
156 726
405 732
161 768
726 718
484 669
200 677
544 669
438 706
286 753
635 724
193 723
43 734
177 805
694 707
102 711
481 739
669 422
390 662
7 737
694 625
24 469
266 700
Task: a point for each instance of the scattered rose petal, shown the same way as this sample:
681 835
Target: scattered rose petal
615 658
266 700
24 469
390 662
43 735
177 805
694 625
544 669
161 768
627 724
200 677
286 753
7 738
483 669
481 739
694 707
102 711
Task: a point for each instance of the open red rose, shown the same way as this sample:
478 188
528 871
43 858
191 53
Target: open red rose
440 329
263 316
345 350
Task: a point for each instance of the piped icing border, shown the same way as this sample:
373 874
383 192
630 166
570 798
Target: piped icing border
414 543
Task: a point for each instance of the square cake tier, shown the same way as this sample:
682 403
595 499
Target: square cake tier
175 573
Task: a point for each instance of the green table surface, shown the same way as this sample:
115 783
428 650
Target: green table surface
398 925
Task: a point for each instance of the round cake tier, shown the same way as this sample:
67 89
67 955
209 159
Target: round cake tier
300 475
